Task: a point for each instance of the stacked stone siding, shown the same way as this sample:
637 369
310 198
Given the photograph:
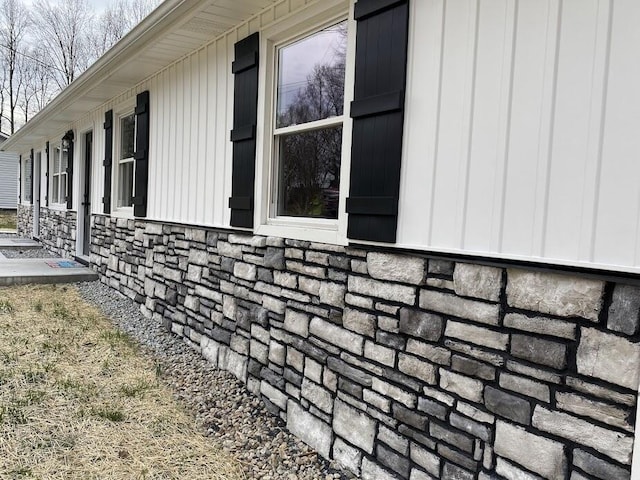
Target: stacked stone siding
399 366
58 231
24 220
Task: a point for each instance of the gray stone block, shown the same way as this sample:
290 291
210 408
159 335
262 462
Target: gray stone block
525 386
543 325
450 304
476 429
457 457
604 412
421 324
317 395
338 336
372 471
417 368
555 294
508 470
409 417
599 468
399 443
309 428
359 322
611 443
507 405
379 353
347 456
296 322
354 426
473 368
426 459
609 357
454 472
385 290
432 408
332 294
355 374
461 385
441 267
624 312
439 355
538 454
477 281
396 268
394 461
540 351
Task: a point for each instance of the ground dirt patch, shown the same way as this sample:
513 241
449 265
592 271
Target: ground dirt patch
78 400
8 219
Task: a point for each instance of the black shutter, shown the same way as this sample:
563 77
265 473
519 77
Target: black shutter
69 137
33 192
378 116
46 197
108 160
243 135
141 155
20 173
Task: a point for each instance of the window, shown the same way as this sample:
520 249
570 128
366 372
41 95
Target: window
308 124
125 161
27 180
60 162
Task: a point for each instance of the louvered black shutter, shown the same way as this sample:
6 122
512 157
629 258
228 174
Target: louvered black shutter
243 135
46 197
20 173
378 116
108 160
141 155
69 137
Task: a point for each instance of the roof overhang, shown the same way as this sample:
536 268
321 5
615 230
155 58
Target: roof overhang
173 30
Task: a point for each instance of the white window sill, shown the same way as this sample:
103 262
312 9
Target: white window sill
62 207
122 212
319 231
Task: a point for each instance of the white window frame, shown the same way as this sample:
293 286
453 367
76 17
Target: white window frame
61 203
296 27
123 110
23 180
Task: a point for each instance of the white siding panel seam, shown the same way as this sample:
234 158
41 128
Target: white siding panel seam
546 134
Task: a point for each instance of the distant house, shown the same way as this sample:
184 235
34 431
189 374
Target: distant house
412 227
8 180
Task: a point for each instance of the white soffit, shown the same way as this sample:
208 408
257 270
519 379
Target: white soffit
171 31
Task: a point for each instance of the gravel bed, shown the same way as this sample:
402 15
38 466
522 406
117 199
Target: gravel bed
222 405
27 253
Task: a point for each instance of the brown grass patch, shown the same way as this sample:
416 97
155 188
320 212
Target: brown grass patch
79 401
8 219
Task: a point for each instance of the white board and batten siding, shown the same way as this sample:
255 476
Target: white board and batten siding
8 180
522 133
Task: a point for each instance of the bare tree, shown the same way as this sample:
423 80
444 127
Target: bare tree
14 24
116 21
63 28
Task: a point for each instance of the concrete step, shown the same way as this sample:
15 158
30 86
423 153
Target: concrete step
10 243
19 271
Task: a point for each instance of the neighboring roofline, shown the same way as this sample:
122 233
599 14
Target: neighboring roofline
146 31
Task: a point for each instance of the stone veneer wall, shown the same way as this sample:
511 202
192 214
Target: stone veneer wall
58 231
399 366
24 219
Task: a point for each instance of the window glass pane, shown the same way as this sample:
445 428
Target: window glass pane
311 77
125 184
28 180
63 187
54 189
64 160
127 136
309 176
56 160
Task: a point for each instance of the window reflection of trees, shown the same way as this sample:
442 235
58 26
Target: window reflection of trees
309 161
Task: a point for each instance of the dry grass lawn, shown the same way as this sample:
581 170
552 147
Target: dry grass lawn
7 219
79 401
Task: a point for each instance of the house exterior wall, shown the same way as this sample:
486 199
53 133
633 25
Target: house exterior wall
58 231
399 366
520 131
24 220
8 180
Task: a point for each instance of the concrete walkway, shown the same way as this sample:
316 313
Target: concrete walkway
19 271
9 243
